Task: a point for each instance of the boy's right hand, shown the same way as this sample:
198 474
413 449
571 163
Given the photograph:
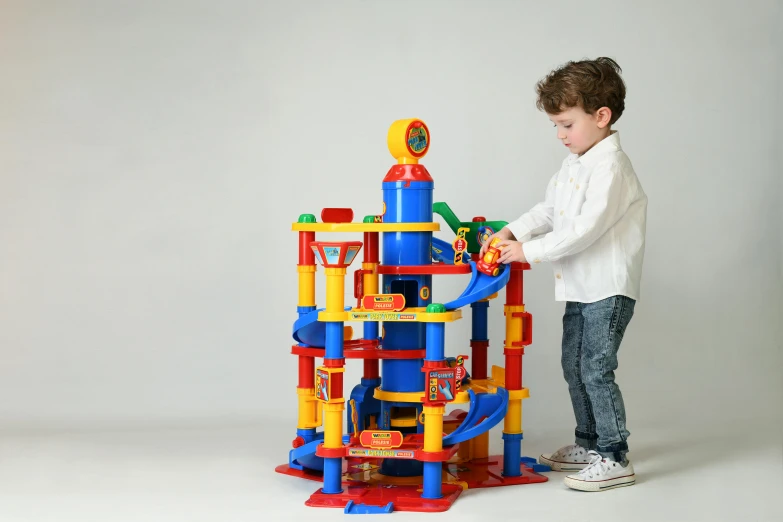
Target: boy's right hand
503 233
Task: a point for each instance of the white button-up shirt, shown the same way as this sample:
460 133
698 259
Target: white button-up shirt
591 226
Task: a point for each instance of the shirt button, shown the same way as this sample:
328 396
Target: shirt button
559 276
537 261
577 187
562 212
571 180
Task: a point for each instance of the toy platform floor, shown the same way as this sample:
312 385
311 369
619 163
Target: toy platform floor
363 484
684 473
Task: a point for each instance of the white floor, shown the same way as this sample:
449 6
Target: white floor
228 475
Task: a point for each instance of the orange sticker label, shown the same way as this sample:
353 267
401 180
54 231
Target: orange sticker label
380 439
386 302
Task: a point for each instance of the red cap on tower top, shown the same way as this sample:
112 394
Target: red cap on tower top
408 172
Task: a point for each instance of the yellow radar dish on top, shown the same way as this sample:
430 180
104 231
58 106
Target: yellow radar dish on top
408 140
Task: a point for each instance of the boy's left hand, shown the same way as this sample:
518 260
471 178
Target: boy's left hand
511 252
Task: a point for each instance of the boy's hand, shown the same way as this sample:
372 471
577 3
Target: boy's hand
511 252
503 233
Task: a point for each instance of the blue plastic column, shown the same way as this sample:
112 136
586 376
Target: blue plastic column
370 331
405 202
333 467
308 434
479 320
334 340
333 470
512 454
436 351
432 480
480 365
436 342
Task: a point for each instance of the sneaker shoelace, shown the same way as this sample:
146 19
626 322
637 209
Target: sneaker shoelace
597 466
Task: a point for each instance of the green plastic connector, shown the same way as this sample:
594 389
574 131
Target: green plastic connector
306 218
436 308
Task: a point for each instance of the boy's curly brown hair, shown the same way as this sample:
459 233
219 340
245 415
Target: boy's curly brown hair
589 84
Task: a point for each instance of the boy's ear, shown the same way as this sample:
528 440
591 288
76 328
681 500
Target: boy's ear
603 116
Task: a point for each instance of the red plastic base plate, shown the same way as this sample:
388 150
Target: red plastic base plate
402 497
317 476
488 473
364 485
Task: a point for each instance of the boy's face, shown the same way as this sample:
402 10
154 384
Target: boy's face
578 130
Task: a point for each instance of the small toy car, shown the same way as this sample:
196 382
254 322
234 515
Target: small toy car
489 263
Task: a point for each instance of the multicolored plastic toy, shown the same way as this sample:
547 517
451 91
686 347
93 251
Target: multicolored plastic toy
400 450
489 263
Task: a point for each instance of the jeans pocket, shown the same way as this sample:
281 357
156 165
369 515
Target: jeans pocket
621 315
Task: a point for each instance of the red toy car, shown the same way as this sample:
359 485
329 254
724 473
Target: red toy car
489 263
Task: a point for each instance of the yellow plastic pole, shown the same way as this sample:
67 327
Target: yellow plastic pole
333 413
309 411
306 285
370 278
335 289
433 428
514 334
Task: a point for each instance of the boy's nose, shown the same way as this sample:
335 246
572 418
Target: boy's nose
561 135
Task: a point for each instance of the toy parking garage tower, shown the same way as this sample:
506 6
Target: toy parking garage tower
400 450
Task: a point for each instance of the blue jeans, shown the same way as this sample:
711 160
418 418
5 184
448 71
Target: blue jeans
592 333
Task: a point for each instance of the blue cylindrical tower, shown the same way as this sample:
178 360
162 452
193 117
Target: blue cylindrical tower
407 198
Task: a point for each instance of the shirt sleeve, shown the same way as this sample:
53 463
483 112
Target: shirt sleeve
606 200
539 220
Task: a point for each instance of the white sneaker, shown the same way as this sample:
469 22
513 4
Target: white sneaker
567 458
601 474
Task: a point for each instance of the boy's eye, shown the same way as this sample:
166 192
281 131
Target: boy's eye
567 126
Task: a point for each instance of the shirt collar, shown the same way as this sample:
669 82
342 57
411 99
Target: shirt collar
609 144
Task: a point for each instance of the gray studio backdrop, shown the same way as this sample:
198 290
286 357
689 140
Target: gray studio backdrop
154 154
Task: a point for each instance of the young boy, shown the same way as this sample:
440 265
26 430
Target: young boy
591 228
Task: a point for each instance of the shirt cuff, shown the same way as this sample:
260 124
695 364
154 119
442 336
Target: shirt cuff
534 251
519 230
